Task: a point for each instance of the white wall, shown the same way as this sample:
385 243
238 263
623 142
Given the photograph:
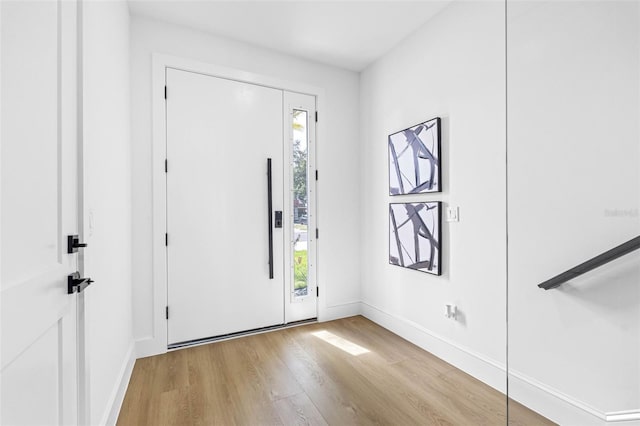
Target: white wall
338 157
453 67
574 192
108 201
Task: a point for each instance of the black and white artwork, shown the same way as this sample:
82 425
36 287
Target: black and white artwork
414 159
414 236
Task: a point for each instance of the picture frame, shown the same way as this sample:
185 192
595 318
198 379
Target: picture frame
414 159
415 231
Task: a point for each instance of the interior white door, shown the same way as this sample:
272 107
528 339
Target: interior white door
220 134
39 209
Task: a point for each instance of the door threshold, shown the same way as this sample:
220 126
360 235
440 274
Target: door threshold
229 336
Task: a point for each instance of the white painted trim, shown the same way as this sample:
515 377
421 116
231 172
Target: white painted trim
234 74
157 342
148 346
539 397
342 310
1 68
560 407
158 251
623 416
114 405
83 338
517 380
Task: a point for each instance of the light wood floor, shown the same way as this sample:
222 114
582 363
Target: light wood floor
296 377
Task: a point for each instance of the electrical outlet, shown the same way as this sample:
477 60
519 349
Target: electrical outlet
451 311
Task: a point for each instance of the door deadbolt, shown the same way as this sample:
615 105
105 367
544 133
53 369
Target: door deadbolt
73 244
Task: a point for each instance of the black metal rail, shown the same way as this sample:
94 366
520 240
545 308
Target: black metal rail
601 259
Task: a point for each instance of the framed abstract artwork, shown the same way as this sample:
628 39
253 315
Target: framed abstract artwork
414 159
414 236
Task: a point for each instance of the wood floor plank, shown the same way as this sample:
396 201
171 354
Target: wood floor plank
249 398
174 375
344 372
171 408
519 415
366 332
474 395
335 404
276 378
419 404
135 406
298 410
209 395
487 407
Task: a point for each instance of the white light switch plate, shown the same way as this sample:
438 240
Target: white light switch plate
452 214
91 223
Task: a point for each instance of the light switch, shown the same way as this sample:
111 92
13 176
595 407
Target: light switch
452 214
91 223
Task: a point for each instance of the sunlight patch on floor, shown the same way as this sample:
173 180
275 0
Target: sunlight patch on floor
340 343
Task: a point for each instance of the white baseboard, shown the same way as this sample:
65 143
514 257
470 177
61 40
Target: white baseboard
539 397
118 393
562 408
342 310
150 346
625 418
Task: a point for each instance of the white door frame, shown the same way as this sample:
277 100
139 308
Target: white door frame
157 342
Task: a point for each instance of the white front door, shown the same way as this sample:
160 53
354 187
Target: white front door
39 209
225 263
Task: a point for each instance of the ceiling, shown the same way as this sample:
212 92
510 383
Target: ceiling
346 34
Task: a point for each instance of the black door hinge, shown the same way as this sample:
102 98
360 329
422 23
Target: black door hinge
167 312
166 165
316 116
317 233
316 175
166 239
317 291
165 92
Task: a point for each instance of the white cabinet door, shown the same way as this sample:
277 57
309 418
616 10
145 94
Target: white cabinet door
39 209
220 134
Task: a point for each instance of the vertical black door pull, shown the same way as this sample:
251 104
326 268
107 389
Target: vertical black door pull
270 217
